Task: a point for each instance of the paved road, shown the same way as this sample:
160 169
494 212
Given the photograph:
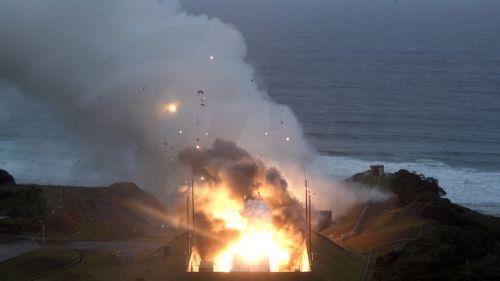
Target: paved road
130 247
11 246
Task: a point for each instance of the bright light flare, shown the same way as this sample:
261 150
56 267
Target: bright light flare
170 108
253 247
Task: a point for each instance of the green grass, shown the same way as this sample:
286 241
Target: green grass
118 212
99 265
37 263
27 200
334 263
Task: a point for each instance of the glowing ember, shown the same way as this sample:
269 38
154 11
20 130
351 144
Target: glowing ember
170 108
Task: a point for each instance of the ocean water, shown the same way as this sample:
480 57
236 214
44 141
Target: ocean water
408 84
475 189
35 147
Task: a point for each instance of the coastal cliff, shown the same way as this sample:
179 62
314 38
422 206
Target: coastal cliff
418 234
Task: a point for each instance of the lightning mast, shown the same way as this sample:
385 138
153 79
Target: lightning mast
308 220
192 208
188 231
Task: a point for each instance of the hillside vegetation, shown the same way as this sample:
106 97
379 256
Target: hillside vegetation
118 211
418 234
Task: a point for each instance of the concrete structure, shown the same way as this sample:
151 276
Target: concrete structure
377 170
206 266
322 219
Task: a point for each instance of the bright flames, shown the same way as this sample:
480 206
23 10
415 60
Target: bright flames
260 246
246 218
252 248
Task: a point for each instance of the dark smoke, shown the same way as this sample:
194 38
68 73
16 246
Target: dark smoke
225 162
244 175
218 236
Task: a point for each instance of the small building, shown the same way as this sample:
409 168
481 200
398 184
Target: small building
377 171
206 266
322 219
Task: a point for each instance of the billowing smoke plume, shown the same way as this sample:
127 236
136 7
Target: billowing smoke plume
138 81
108 69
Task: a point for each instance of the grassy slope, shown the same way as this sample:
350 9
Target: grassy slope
37 263
417 235
332 263
94 265
382 225
120 211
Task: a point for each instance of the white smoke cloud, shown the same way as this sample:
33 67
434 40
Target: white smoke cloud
108 68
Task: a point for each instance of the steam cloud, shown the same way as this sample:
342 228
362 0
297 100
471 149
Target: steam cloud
107 69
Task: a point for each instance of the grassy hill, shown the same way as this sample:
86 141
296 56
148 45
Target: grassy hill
38 263
118 211
419 235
